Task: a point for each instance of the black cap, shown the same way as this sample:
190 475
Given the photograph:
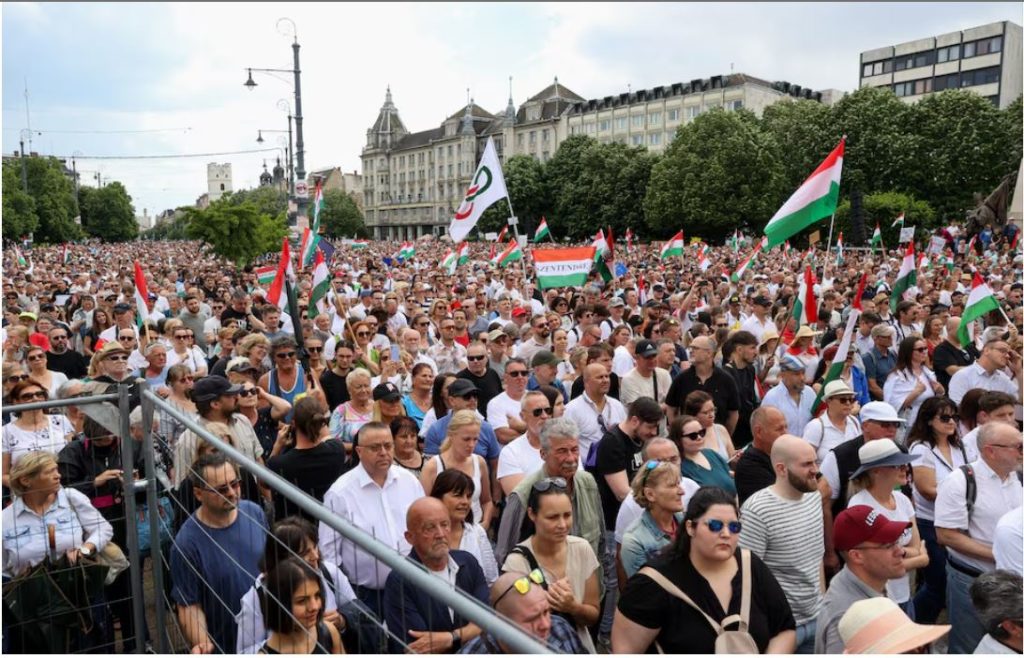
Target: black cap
122 308
387 392
652 303
212 387
735 299
761 300
646 348
461 388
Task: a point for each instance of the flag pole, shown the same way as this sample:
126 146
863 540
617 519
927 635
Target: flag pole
515 232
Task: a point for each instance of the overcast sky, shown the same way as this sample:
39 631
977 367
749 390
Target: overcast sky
173 73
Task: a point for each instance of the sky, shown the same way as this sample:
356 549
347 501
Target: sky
166 79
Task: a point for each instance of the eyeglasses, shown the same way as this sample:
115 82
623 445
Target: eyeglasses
13 379
544 485
58 337
522 585
920 349
35 395
180 336
448 327
479 357
693 436
716 525
224 490
536 413
37 357
125 338
247 393
285 355
378 447
467 396
117 357
314 350
363 334
1018 447
722 325
517 373
845 399
949 417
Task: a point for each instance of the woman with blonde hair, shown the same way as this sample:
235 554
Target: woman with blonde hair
457 453
348 417
179 380
16 347
255 347
366 355
657 488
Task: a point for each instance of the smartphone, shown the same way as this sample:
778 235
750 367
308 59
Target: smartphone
394 353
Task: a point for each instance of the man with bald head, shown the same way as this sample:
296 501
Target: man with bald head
422 622
594 412
754 470
783 525
523 601
704 375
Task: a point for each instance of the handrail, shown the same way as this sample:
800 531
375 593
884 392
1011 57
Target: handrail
61 402
416 574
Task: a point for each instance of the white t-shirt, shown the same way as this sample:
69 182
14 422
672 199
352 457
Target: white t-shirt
932 458
1008 542
518 457
822 433
898 589
500 407
16 441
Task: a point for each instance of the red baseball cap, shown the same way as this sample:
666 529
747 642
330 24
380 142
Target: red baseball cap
518 312
860 523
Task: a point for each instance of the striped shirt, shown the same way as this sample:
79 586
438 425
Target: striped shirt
788 536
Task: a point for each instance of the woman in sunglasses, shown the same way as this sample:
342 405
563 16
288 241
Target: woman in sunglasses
184 349
911 382
570 567
14 372
36 360
704 564
100 323
315 350
179 380
701 464
31 430
933 438
658 489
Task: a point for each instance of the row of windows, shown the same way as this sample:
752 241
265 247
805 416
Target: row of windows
951 81
653 120
939 55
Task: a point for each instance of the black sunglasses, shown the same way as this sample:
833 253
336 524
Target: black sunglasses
476 358
284 355
542 410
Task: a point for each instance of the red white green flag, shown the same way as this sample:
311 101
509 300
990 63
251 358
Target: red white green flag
307 247
816 198
449 261
601 254
511 254
542 231
265 275
835 369
905 279
704 256
463 253
321 286
742 268
276 295
980 301
805 307
141 296
557 268
673 247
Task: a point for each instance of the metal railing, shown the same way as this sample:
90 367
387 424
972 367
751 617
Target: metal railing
470 608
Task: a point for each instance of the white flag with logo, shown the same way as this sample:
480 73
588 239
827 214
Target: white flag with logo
487 186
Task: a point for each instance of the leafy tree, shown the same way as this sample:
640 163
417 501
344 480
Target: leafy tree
108 214
268 200
720 172
882 208
524 177
340 216
19 208
175 229
237 232
801 129
562 172
54 195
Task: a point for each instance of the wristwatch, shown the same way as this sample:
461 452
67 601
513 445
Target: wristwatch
85 551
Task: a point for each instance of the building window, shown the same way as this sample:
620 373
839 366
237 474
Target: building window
877 68
947 54
692 112
533 137
904 62
866 72
546 135
519 139
622 123
637 140
654 139
449 150
589 127
983 47
924 59
979 76
673 115
951 81
734 105
654 119
638 121
604 125
922 86
449 171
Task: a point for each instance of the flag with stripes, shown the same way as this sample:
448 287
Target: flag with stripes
835 369
141 296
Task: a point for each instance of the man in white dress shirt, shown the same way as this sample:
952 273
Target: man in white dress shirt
988 372
594 412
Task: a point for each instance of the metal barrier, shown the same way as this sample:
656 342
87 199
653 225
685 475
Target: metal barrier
473 610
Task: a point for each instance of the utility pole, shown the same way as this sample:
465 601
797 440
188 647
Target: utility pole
24 171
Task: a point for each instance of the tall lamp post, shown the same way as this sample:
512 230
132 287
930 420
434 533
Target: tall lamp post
302 193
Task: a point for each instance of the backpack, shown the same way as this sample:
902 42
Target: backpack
728 642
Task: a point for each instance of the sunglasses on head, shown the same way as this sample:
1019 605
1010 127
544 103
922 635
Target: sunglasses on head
648 469
522 585
716 525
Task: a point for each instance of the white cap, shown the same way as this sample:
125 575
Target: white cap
879 411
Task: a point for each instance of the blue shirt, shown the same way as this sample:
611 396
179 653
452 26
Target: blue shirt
533 385
877 366
487 446
797 415
215 567
644 540
562 638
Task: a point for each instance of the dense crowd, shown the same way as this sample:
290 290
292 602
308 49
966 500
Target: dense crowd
663 461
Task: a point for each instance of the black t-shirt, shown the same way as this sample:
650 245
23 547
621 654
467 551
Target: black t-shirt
313 470
335 388
577 387
71 363
615 452
946 354
746 387
720 386
490 386
683 629
231 314
753 473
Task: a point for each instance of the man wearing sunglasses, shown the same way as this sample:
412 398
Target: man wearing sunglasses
60 358
503 412
484 377
522 456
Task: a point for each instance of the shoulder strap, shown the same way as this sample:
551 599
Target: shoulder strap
670 587
748 578
531 559
971 490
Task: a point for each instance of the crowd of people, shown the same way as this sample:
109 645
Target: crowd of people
665 461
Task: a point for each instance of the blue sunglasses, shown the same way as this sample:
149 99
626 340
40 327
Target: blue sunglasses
716 525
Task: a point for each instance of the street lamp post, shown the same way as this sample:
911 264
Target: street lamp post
300 151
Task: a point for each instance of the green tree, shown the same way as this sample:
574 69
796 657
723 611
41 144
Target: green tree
562 173
19 208
239 233
721 172
268 200
54 195
340 216
882 208
801 129
524 177
108 214
174 229
879 146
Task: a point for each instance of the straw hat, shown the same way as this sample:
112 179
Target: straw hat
805 332
769 334
878 626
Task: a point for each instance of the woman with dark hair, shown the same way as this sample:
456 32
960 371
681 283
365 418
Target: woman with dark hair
100 323
911 382
292 602
555 399
701 405
306 456
35 359
455 489
295 538
407 453
179 380
701 464
934 438
418 400
970 406
933 327
703 562
439 407
568 563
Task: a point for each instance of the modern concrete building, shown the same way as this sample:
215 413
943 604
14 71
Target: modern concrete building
985 60
413 182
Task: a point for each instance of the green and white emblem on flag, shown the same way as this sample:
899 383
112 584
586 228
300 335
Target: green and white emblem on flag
487 187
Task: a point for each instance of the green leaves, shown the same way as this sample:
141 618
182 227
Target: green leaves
47 210
107 213
19 208
340 216
237 232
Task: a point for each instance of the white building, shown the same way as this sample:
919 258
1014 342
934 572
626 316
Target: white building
218 180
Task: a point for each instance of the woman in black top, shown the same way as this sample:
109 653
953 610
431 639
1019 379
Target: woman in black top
704 563
293 612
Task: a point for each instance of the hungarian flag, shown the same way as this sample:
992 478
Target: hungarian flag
836 367
321 286
629 240
563 267
787 249
358 244
463 253
876 237
407 251
487 187
906 277
970 245
276 295
318 205
501 234
65 255
839 249
979 302
734 241
19 257
601 254
511 254
542 231
265 275
742 268
611 246
899 221
449 261
805 307
141 296
815 199
674 247
704 257
307 247
924 262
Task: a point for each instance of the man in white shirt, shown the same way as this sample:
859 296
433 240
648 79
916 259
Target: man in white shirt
1008 546
594 412
540 339
759 322
992 406
522 455
645 380
791 395
374 496
505 409
987 372
616 311
967 528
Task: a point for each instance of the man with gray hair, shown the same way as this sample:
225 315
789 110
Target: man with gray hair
560 450
997 599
